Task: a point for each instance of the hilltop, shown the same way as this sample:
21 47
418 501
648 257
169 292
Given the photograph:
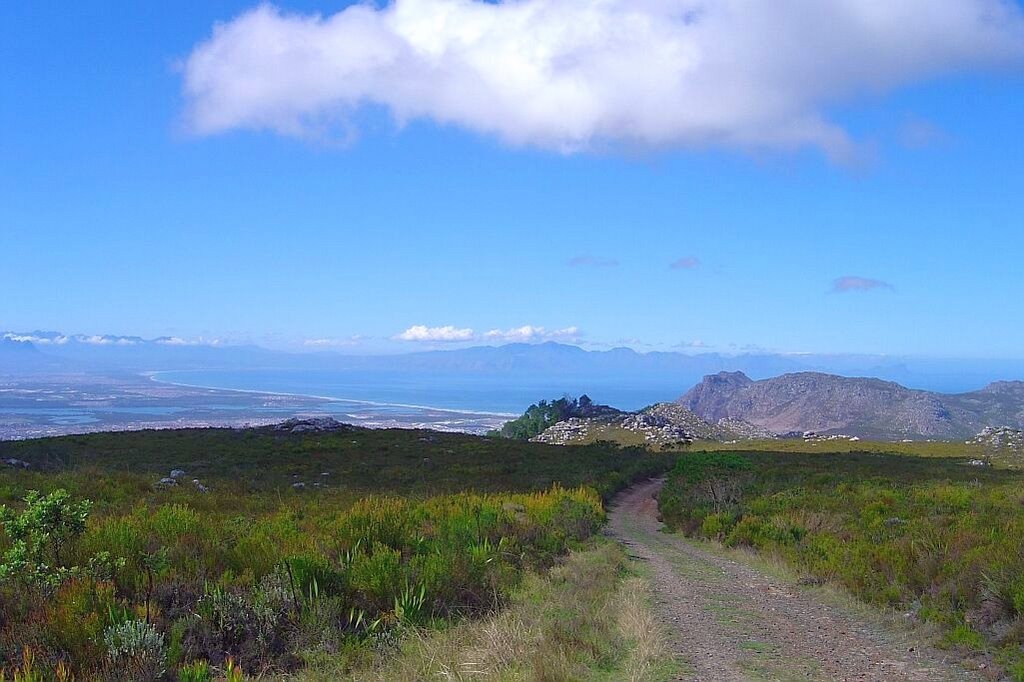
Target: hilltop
660 425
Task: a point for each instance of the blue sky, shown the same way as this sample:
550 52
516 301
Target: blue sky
124 213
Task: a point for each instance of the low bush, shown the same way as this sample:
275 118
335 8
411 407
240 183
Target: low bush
383 563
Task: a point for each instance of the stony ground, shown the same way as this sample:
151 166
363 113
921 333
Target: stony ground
729 621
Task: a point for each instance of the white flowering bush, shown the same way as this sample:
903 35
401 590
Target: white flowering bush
135 650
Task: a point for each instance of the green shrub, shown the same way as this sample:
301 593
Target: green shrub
39 537
965 636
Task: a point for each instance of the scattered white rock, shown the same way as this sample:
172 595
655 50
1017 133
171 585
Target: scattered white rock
1000 438
312 425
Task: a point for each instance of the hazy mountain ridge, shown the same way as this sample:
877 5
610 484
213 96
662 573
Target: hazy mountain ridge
579 366
865 407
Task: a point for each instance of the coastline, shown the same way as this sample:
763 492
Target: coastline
154 376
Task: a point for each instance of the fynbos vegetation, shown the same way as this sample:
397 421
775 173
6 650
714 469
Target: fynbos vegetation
150 581
937 538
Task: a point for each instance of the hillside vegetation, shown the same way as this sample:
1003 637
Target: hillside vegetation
292 546
936 538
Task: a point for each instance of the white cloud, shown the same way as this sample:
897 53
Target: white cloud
570 76
525 334
179 341
419 332
530 334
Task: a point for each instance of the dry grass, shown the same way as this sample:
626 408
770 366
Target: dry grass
588 619
649 656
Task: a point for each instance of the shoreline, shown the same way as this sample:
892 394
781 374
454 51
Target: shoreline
154 376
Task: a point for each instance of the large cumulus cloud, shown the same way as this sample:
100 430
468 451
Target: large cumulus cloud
570 75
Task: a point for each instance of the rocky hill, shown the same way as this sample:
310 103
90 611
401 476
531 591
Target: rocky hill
868 408
1001 438
662 424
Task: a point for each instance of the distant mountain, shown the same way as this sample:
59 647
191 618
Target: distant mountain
579 369
19 357
82 352
14 350
868 408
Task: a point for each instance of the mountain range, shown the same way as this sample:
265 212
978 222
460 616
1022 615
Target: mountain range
669 372
769 392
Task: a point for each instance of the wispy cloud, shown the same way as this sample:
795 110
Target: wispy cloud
96 340
531 334
684 263
450 334
847 284
54 339
447 333
335 342
572 76
591 262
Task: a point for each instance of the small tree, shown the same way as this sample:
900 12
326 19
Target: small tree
39 538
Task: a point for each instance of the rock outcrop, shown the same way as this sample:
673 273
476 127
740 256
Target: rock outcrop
1000 438
661 424
312 425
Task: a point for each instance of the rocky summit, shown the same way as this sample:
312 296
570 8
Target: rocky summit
867 408
662 424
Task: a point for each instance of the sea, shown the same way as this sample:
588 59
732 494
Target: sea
502 395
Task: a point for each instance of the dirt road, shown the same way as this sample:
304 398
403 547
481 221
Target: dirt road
728 621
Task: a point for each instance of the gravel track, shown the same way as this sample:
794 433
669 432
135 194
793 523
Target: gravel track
728 621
